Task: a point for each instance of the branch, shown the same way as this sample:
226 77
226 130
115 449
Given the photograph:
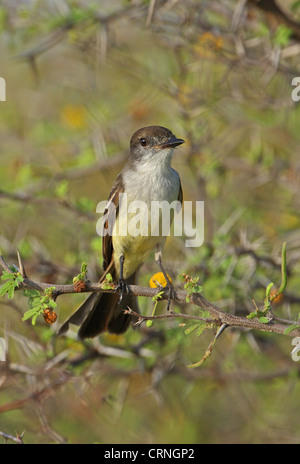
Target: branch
18 439
170 314
218 316
271 8
23 197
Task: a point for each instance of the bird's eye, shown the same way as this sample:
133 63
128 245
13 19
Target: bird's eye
143 142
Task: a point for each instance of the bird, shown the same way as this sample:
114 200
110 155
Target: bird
146 177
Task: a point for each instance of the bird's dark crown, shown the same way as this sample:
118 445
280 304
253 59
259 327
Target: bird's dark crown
152 137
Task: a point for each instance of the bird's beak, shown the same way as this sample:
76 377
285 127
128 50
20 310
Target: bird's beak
172 143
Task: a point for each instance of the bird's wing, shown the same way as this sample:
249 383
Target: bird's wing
111 212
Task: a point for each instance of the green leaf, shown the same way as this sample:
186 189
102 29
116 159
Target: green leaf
201 327
291 328
109 277
191 329
5 288
283 270
19 279
38 302
252 315
263 320
7 276
28 314
62 189
14 280
85 204
34 318
30 293
268 289
82 275
48 291
11 292
51 304
282 35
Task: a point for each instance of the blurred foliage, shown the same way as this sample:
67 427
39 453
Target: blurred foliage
81 77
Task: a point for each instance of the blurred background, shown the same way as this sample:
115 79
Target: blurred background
81 77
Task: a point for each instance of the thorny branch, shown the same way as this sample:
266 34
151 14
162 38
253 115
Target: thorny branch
17 439
218 317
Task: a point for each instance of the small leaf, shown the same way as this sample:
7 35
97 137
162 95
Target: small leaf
282 35
201 329
263 320
7 276
11 292
109 277
291 328
191 329
34 318
51 304
30 293
84 268
62 189
28 314
268 289
283 269
5 288
252 315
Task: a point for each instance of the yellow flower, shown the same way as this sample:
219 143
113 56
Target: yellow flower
74 116
158 280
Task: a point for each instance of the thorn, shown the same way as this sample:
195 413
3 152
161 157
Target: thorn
21 267
221 330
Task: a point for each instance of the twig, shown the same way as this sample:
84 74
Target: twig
170 314
150 12
34 199
210 347
4 265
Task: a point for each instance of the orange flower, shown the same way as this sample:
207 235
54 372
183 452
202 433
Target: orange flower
50 316
276 299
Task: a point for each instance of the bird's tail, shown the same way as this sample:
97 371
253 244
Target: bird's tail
103 312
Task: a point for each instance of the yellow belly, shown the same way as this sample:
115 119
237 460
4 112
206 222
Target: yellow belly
135 249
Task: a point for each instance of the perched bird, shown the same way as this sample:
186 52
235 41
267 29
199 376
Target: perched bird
147 177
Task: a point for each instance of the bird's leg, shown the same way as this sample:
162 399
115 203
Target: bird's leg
169 286
122 283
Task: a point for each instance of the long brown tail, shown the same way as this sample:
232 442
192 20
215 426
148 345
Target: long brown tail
103 312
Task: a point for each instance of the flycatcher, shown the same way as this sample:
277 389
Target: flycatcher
147 177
